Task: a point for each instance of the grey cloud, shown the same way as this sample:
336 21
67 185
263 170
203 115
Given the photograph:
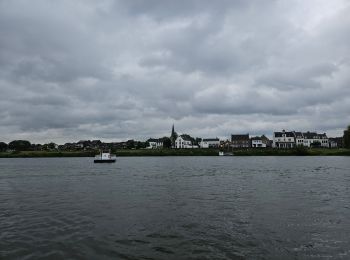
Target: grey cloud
129 69
161 10
302 77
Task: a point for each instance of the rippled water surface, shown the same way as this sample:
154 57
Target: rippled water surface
176 208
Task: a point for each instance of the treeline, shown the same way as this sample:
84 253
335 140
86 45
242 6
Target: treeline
17 145
346 138
24 145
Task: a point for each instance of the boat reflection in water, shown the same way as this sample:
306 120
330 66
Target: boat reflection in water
105 157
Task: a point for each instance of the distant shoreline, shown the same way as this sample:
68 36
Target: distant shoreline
180 152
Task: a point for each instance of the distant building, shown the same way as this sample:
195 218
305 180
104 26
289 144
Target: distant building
336 142
283 139
155 143
225 144
210 143
292 139
240 141
313 139
183 141
80 144
299 138
258 142
173 137
68 146
266 141
332 143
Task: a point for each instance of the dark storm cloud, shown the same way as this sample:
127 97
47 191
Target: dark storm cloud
122 69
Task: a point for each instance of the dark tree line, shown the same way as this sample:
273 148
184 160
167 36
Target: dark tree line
3 147
132 144
346 137
24 145
20 145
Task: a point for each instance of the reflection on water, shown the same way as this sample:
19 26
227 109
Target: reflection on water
176 208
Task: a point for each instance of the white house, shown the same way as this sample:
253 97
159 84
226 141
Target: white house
210 143
291 139
258 142
283 139
183 141
155 143
313 139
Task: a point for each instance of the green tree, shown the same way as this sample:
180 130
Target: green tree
20 145
346 138
146 144
197 141
51 146
130 144
140 145
166 142
3 147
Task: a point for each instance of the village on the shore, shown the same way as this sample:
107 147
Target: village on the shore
280 140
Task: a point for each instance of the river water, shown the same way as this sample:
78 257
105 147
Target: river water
175 208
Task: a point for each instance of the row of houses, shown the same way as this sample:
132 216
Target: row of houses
154 143
185 141
287 139
291 139
237 141
281 140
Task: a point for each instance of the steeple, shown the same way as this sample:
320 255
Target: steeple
172 131
173 136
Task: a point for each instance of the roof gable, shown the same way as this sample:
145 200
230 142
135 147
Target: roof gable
186 137
240 137
211 140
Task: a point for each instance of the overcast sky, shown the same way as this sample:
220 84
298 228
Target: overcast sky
115 70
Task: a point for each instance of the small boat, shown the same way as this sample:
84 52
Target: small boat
105 157
221 153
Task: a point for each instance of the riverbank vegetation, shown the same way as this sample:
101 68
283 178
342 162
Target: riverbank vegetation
183 152
38 154
299 151
168 152
346 138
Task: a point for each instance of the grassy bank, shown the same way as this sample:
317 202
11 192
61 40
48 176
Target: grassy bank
37 154
168 152
184 152
123 152
292 152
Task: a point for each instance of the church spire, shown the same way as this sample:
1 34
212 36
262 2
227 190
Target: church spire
173 136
